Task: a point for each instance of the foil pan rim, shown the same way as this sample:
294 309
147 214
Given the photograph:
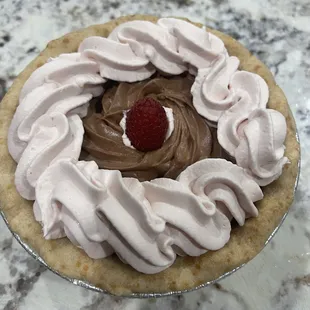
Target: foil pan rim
89 286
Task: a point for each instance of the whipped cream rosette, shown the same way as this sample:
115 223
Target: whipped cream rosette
151 42
212 92
116 60
225 185
261 148
251 92
251 133
197 47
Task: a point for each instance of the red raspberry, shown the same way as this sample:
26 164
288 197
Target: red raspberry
146 125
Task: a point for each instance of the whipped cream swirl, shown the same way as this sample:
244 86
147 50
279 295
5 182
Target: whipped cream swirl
250 92
116 61
152 42
251 133
212 94
47 123
261 148
196 46
221 87
225 185
163 217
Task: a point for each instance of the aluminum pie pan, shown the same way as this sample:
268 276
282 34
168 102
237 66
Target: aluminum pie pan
89 286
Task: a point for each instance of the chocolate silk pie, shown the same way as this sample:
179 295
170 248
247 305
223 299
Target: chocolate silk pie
146 155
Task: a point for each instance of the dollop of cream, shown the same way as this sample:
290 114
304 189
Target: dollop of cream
261 148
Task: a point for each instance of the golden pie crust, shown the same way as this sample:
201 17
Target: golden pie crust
187 272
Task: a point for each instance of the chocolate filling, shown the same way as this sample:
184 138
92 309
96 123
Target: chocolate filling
190 141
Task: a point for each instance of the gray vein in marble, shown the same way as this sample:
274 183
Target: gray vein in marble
243 304
285 288
23 269
2 88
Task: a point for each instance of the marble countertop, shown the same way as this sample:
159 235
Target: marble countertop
278 32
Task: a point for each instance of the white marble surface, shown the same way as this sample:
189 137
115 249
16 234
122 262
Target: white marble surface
278 32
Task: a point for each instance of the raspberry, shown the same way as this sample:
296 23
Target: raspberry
146 125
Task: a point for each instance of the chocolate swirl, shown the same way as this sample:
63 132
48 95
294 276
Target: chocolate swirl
190 141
